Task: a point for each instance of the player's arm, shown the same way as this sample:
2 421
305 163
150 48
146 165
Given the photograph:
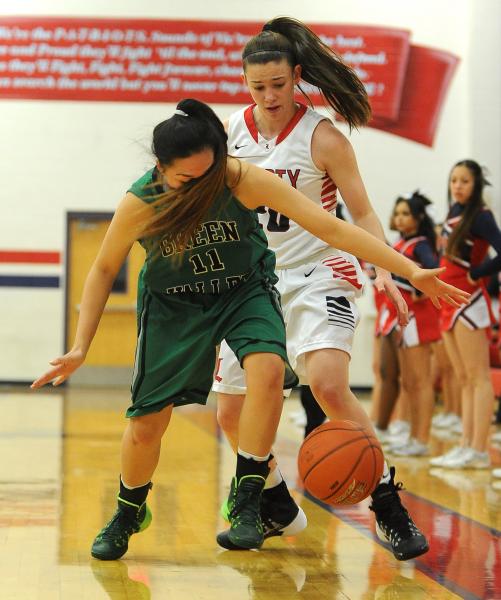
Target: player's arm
256 184
121 234
333 153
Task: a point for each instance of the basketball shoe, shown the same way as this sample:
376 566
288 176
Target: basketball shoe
244 503
394 524
279 512
112 541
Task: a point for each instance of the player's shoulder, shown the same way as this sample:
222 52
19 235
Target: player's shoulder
146 186
329 142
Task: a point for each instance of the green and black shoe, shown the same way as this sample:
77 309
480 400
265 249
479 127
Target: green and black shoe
279 512
112 541
244 504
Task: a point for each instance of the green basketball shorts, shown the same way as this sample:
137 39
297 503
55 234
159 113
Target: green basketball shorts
178 335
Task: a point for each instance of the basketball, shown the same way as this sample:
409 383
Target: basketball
340 463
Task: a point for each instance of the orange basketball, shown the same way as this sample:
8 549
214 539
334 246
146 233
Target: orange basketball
340 462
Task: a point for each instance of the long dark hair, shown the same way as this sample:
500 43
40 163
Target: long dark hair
193 128
417 204
474 205
338 83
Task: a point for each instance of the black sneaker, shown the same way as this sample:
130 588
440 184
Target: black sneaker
112 541
280 513
394 524
244 503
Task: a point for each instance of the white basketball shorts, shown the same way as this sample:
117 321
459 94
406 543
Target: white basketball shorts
318 304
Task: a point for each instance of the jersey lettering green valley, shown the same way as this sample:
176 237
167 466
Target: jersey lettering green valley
215 286
210 232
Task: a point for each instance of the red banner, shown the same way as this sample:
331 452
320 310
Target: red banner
134 60
379 57
427 80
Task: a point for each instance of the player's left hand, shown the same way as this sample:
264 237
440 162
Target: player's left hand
427 281
384 283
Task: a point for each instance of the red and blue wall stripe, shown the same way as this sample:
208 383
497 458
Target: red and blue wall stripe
29 257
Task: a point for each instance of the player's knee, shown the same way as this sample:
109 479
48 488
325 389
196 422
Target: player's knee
228 418
273 378
145 432
330 393
462 378
412 382
476 375
265 372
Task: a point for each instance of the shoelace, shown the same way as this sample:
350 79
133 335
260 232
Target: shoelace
119 525
390 507
246 506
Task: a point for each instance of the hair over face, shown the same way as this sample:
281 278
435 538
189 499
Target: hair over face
194 128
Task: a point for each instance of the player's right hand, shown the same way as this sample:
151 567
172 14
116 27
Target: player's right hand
62 368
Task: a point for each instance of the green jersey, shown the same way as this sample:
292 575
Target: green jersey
227 247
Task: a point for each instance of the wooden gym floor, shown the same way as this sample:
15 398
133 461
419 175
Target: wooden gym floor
59 473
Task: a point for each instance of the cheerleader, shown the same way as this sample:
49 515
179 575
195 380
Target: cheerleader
418 243
468 232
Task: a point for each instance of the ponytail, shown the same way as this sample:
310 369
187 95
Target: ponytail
321 67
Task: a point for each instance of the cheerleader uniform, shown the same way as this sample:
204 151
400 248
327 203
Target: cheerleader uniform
471 260
423 327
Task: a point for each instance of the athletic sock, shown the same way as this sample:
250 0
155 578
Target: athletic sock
315 416
250 464
386 476
134 495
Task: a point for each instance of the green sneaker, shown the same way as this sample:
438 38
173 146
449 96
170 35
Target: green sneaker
227 505
112 541
279 512
244 503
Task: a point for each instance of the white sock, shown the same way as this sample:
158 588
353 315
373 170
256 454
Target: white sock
253 456
385 478
274 478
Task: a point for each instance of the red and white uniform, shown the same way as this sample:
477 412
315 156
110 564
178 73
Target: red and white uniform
318 284
423 327
471 261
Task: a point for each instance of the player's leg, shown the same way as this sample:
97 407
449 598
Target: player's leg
394 524
454 358
417 382
376 373
390 382
258 423
333 393
279 512
450 391
164 376
454 355
473 347
140 453
256 334
230 387
315 416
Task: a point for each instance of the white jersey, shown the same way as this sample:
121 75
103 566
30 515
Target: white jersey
289 156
